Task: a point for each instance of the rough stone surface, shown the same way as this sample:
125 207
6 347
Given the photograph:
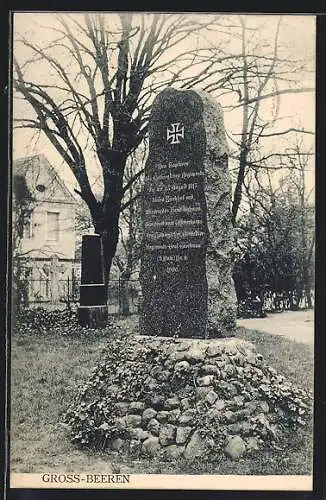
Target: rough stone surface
135 447
252 444
186 417
122 408
185 403
150 446
154 427
228 388
211 397
219 405
117 444
188 233
138 433
183 434
157 402
235 428
163 376
151 384
173 416
171 403
205 381
235 447
133 420
214 350
264 406
121 422
238 401
167 434
173 452
182 366
196 447
209 369
222 304
148 414
173 256
162 416
201 392
235 411
137 407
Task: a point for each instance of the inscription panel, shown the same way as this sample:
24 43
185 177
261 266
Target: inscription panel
174 225
173 259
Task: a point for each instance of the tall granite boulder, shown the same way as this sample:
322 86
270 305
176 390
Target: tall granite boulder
186 265
222 302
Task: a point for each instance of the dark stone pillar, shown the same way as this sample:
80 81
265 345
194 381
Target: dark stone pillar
92 310
186 254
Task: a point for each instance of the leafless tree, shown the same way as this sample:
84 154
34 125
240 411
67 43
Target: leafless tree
259 72
100 86
277 236
128 254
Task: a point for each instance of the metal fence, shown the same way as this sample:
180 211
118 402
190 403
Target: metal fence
123 296
284 301
39 290
271 302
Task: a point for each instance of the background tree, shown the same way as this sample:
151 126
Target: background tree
128 251
249 73
276 238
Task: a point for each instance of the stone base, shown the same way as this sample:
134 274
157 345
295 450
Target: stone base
93 316
185 399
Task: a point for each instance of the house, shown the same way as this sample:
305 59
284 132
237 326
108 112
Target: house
44 222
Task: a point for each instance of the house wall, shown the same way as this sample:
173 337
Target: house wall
39 243
50 195
47 259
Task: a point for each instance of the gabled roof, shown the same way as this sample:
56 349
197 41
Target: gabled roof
36 170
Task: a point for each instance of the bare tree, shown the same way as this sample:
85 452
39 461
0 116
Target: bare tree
127 259
298 192
255 73
102 79
100 87
276 237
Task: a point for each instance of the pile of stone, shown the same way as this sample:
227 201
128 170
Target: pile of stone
185 399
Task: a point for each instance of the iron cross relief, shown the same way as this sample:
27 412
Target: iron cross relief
175 133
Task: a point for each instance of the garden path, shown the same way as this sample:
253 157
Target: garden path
295 325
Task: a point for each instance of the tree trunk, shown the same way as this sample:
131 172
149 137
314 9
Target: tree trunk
109 239
107 226
105 214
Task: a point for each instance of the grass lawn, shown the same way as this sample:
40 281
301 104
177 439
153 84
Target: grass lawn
45 371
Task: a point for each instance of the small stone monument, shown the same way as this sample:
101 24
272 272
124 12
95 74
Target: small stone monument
186 265
92 310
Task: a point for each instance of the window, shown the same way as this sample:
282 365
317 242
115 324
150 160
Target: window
27 225
41 188
52 226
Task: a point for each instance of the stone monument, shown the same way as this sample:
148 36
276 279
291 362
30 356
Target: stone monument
92 310
186 399
186 265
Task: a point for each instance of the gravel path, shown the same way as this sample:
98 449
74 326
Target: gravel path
295 325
